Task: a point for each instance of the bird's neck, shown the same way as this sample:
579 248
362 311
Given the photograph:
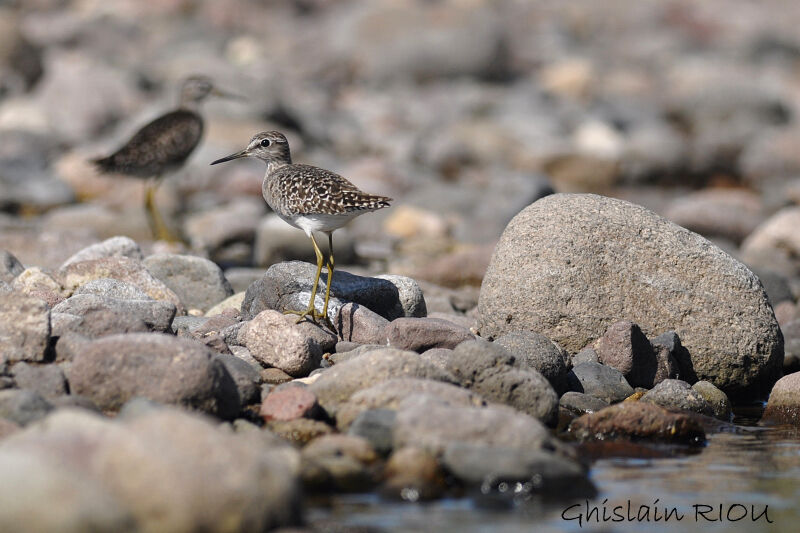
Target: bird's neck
275 164
190 104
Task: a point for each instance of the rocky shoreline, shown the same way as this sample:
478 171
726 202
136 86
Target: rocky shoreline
121 370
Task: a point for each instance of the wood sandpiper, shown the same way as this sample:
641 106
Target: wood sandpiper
162 146
309 198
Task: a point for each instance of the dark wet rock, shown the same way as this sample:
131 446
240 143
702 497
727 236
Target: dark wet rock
10 267
23 406
677 394
549 473
540 353
198 282
625 348
718 400
338 383
104 315
390 394
638 421
661 274
674 359
121 268
47 380
289 404
244 376
24 328
579 403
275 340
339 462
414 474
113 369
113 247
300 431
356 323
420 334
287 286
375 425
600 381
153 470
783 406
667 366
425 422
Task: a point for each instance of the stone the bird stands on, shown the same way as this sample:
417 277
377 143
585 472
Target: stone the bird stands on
309 198
162 146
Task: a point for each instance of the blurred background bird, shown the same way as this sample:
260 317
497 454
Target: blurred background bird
162 147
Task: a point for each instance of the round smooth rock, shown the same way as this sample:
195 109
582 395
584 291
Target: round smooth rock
570 265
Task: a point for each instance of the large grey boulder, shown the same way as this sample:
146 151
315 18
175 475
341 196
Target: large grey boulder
569 266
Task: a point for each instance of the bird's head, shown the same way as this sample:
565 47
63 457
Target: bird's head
268 146
197 88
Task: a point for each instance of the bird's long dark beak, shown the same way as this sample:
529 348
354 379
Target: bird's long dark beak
227 95
231 157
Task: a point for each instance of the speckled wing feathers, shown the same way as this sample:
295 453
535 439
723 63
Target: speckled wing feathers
305 189
159 147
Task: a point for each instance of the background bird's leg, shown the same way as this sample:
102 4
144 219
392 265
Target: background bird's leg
330 274
311 310
154 220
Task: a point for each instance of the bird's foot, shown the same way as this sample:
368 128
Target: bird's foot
311 313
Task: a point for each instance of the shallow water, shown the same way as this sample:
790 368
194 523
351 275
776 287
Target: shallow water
747 471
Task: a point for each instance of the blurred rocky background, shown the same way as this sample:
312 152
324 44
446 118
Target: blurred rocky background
463 111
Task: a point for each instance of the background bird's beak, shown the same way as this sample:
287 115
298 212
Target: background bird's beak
237 155
227 95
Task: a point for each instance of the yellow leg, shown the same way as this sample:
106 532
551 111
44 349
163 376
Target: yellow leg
154 220
330 274
311 310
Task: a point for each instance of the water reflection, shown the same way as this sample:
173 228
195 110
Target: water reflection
747 471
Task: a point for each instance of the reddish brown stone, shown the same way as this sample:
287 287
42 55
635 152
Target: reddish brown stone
288 403
638 421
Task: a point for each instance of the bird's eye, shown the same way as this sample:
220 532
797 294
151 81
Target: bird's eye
265 143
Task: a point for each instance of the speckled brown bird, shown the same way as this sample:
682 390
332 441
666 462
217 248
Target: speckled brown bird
309 198
163 146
